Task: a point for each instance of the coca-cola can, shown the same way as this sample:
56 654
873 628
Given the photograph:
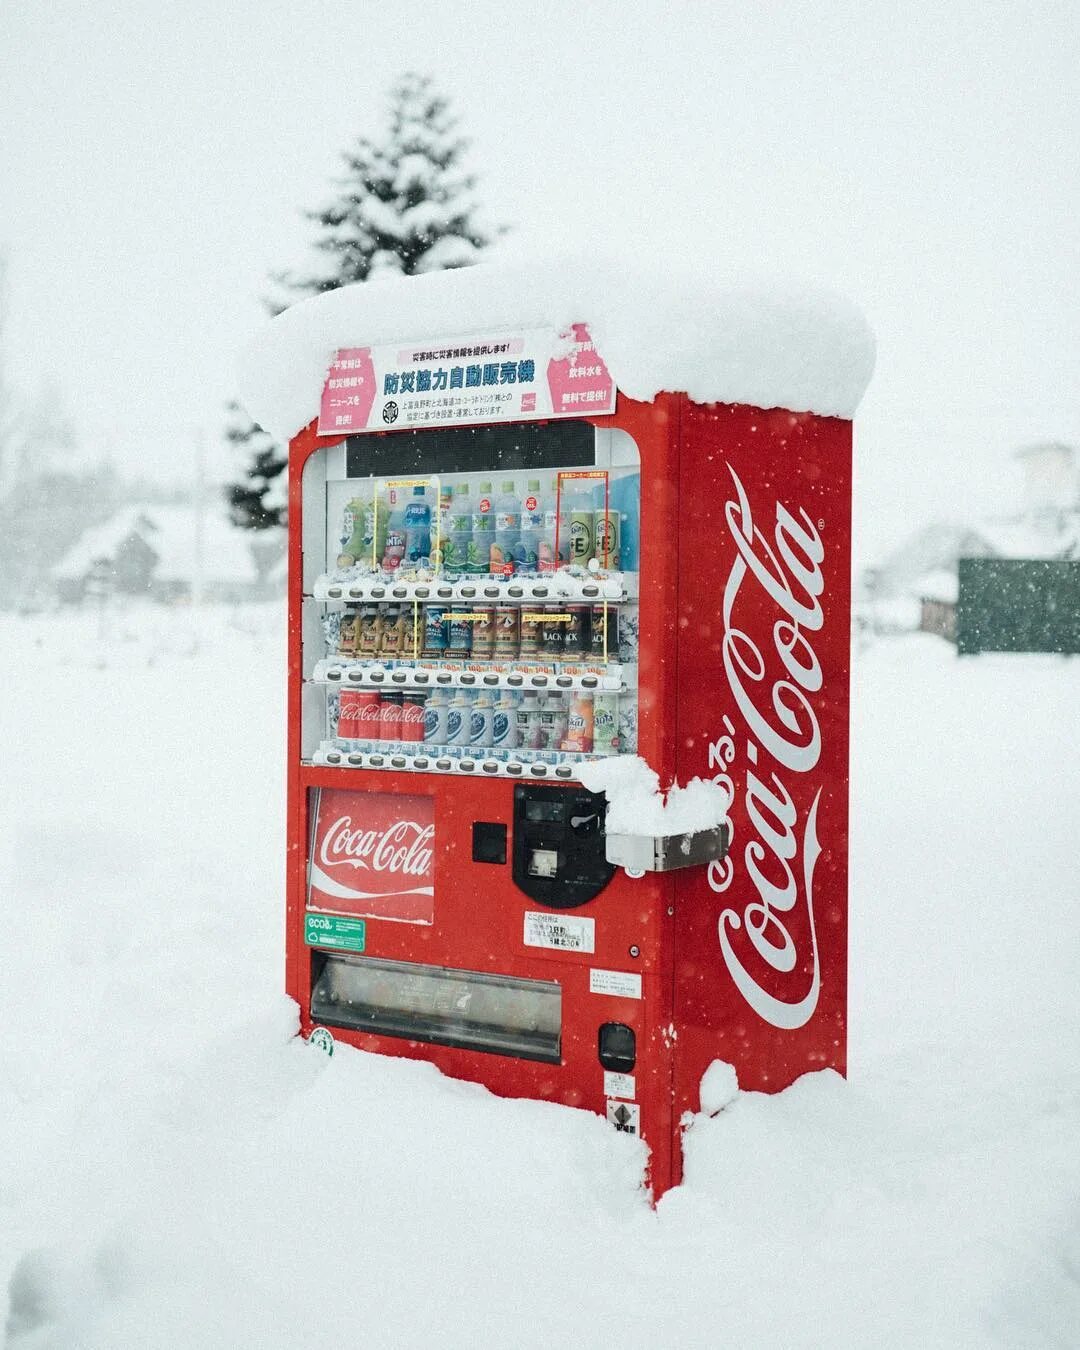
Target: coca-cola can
390 719
412 717
358 714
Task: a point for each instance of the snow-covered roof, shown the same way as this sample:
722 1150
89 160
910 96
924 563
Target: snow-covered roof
940 584
1038 448
1055 536
767 345
171 532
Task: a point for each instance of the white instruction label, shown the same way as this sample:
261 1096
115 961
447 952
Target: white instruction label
560 932
619 1085
619 982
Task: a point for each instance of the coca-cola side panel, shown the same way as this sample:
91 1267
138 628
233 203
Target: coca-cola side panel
763 707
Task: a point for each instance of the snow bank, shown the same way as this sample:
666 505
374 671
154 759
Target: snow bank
766 344
636 805
178 1170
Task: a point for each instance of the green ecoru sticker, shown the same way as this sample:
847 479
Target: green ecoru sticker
334 932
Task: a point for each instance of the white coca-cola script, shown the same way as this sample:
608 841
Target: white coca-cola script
780 723
404 847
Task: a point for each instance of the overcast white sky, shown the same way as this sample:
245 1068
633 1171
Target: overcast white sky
154 161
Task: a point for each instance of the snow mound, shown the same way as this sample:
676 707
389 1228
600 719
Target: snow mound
637 806
767 344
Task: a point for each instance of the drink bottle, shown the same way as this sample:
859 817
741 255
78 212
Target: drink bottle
435 713
394 547
418 527
554 721
457 542
606 538
460 633
458 719
555 545
504 724
483 530
480 722
533 514
579 727
527 716
352 532
436 629
507 529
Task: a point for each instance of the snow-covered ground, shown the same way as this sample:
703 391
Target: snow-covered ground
177 1170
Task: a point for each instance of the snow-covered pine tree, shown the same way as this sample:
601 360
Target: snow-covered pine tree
258 501
405 204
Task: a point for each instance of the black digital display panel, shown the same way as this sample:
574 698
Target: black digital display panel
486 450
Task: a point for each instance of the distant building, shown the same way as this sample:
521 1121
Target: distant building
164 553
916 586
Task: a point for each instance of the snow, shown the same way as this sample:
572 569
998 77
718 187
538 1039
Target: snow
768 344
178 1170
719 1087
636 805
173 533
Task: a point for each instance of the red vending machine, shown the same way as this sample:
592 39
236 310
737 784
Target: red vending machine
504 571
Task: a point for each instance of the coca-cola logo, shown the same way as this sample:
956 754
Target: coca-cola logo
372 854
485 505
779 735
412 714
403 847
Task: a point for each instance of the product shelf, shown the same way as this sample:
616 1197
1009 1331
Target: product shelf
564 769
615 587
340 673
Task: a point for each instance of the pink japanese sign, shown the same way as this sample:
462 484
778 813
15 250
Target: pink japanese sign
523 376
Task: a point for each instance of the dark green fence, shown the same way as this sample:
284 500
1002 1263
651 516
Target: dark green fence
1018 605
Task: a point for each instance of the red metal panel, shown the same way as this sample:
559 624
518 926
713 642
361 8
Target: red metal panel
763 667
478 911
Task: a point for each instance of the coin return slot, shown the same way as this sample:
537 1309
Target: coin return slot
543 862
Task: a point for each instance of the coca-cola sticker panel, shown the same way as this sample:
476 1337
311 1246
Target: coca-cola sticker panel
372 855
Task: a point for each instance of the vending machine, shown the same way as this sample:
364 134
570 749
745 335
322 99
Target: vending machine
503 571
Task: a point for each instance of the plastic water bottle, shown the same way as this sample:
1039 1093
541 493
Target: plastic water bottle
483 530
507 529
457 543
394 548
527 554
374 538
556 527
418 527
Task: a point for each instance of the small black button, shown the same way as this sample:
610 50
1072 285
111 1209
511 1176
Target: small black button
488 842
617 1047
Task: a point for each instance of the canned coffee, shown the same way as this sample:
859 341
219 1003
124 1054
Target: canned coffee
507 632
576 635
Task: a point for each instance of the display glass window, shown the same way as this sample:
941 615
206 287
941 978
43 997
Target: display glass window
471 599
